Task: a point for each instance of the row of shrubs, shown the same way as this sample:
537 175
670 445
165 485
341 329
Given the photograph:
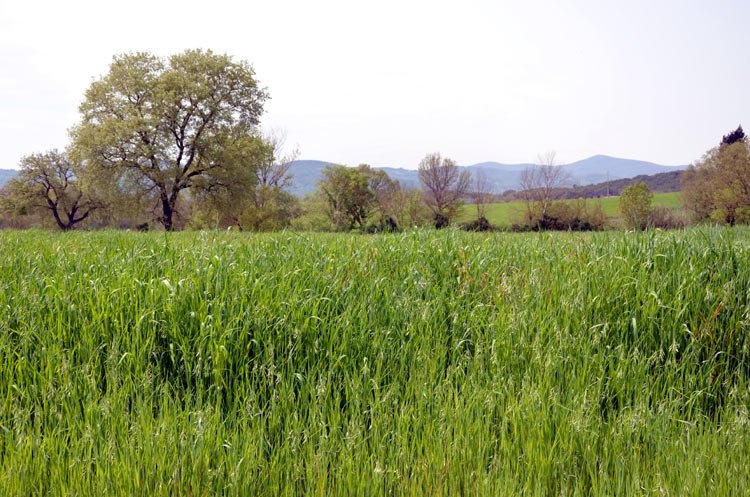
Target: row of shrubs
558 216
564 216
661 218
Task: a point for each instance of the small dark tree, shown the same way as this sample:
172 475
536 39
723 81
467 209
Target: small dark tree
734 137
441 221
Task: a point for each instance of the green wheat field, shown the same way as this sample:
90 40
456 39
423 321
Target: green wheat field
423 363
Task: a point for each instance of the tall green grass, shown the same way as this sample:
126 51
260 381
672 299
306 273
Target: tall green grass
424 363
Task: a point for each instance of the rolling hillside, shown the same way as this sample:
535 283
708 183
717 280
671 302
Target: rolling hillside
502 177
657 183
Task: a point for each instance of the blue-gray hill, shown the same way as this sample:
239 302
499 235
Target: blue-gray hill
601 168
502 177
6 175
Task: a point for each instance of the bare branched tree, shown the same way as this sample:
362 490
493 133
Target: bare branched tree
271 203
275 173
538 184
528 183
482 192
444 186
257 200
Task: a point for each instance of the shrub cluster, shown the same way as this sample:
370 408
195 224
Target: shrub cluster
565 215
667 219
480 224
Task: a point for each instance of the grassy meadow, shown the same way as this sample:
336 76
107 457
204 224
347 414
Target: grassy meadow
505 214
422 363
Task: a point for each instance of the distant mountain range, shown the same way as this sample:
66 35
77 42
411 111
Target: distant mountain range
657 183
502 177
6 175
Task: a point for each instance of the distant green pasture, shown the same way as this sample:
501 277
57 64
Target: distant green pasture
507 213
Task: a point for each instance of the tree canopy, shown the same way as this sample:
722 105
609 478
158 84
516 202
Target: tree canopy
353 195
718 186
162 126
348 196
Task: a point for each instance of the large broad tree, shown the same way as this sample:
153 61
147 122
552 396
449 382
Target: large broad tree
48 183
444 186
159 127
718 186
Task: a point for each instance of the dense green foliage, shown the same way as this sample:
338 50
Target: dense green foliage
355 195
718 186
423 363
635 206
158 129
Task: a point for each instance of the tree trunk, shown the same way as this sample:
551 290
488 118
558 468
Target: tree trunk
168 204
167 210
730 217
58 219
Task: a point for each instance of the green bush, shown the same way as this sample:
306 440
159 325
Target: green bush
635 206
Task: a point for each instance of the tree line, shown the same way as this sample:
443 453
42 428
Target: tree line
175 142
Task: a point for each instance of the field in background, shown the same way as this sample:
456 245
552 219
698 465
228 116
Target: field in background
422 363
504 214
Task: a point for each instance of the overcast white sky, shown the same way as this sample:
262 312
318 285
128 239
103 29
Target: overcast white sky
385 82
